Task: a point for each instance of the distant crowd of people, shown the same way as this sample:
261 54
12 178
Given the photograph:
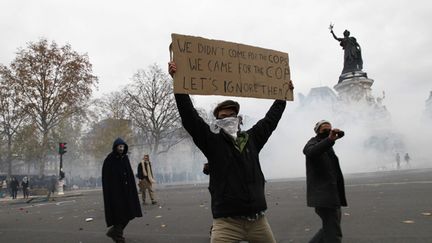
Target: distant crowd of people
9 187
12 186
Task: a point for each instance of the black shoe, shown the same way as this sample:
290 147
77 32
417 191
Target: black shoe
114 236
121 240
111 234
154 202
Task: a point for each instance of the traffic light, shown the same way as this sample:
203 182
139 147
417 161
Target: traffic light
62 148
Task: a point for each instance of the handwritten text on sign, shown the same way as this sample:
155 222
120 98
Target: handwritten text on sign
212 67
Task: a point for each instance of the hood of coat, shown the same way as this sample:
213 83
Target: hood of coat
117 142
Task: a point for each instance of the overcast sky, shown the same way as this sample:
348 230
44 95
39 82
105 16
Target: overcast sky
123 36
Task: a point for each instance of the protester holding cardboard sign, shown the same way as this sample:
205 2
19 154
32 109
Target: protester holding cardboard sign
236 181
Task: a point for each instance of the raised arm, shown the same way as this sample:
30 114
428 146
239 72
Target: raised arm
262 130
264 127
315 148
192 122
334 36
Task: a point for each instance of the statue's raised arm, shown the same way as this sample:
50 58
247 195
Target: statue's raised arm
352 52
334 36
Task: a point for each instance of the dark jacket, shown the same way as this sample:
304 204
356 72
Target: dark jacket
119 189
24 184
324 179
14 184
236 180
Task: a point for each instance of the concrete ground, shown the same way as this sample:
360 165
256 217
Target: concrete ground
385 207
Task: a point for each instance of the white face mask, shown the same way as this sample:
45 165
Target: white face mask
230 125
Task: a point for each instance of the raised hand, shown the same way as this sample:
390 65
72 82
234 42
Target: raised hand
172 68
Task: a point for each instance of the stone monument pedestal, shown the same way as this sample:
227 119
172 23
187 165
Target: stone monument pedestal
354 87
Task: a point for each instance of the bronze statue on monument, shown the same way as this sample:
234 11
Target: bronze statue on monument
353 62
354 84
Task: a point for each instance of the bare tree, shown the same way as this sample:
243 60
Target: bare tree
152 108
54 83
109 106
12 118
99 139
108 119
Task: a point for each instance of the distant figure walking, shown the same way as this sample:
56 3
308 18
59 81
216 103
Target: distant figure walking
397 161
14 187
407 159
25 187
120 194
4 188
52 185
146 180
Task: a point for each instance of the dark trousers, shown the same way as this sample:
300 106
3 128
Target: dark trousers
25 192
331 230
14 193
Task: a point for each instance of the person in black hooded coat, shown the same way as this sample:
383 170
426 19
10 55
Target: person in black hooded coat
119 191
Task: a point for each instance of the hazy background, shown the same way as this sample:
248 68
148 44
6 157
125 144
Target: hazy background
123 36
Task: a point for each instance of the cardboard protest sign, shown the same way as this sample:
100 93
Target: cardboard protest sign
213 67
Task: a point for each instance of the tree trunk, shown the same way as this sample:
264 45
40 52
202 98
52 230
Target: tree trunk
9 156
42 160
